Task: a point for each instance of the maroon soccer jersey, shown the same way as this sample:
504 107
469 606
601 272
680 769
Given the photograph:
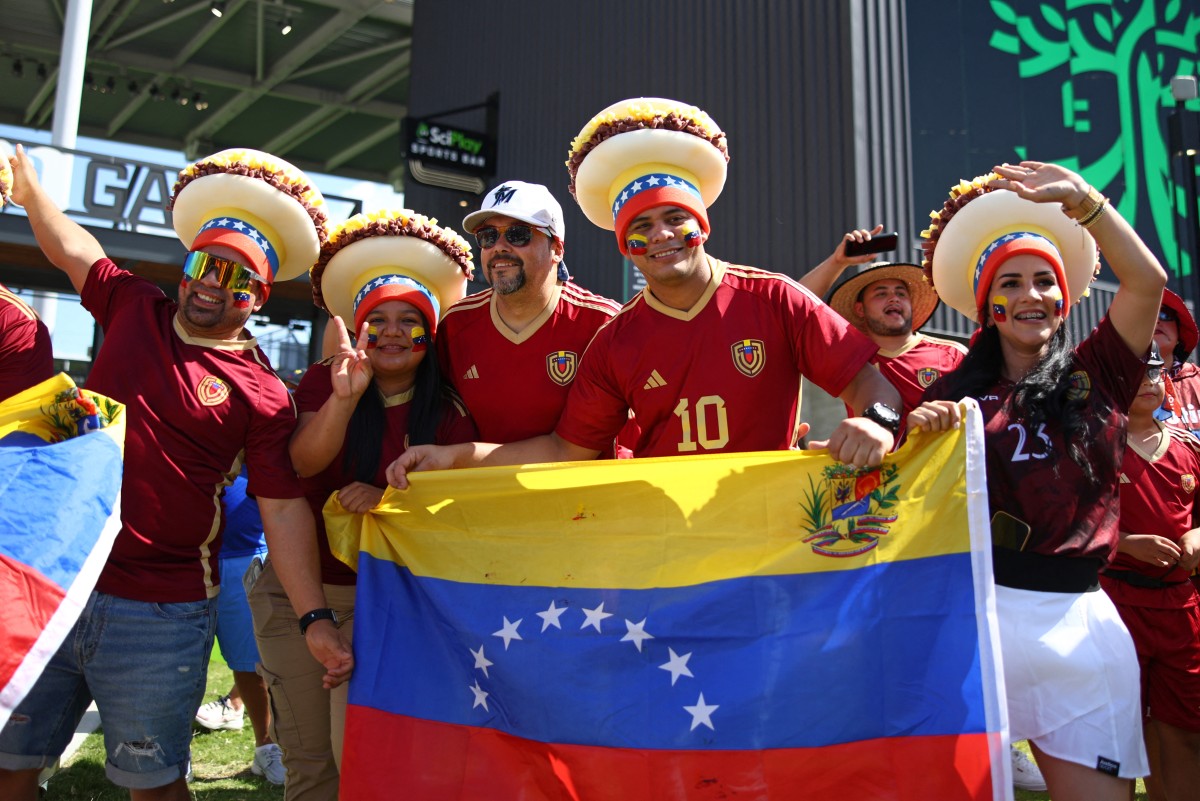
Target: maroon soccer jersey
315 388
1029 472
26 355
913 368
515 385
1158 496
196 409
723 376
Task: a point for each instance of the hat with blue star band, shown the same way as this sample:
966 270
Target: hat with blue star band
255 204
646 152
391 255
6 177
979 228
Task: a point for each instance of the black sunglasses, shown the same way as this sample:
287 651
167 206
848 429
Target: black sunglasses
1168 315
1154 373
516 235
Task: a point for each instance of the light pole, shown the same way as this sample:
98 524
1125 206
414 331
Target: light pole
1184 136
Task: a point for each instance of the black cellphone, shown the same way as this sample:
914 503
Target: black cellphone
880 243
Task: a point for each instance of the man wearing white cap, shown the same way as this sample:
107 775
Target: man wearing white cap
201 400
709 357
525 335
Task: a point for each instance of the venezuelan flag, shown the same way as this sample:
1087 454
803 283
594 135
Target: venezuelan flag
683 628
59 514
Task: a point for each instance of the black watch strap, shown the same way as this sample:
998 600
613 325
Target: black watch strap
314 616
885 416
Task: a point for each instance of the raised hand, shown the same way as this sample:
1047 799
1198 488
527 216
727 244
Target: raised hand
351 371
1042 182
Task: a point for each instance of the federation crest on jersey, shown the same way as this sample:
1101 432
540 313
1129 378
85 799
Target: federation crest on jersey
1188 482
849 509
927 376
1081 385
561 366
749 356
212 391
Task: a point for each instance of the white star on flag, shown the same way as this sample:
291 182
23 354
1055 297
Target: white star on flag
670 181
481 661
637 186
636 633
550 616
225 221
652 181
677 665
508 633
241 226
701 713
592 617
481 700
265 244
624 196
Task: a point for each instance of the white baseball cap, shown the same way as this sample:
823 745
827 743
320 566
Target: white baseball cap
529 203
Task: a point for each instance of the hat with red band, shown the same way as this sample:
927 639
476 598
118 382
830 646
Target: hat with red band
979 228
1188 333
258 206
647 152
391 255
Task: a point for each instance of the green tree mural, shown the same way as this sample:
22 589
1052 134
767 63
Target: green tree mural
1141 44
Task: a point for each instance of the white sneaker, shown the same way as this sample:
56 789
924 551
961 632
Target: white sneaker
1026 775
268 763
219 715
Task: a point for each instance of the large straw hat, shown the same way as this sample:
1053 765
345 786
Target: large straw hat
924 300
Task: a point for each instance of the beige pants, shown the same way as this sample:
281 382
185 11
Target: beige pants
307 720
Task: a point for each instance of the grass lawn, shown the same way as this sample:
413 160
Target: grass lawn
220 762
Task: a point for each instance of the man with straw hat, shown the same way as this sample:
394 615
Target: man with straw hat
26 354
889 302
709 357
201 400
1175 334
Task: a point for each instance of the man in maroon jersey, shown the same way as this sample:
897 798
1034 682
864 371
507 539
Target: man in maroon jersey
709 357
201 399
889 302
1175 334
1148 582
525 335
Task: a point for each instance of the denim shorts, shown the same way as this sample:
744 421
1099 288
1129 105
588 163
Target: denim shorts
145 664
235 628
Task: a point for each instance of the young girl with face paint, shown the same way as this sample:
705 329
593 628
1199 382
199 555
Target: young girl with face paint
1006 254
359 409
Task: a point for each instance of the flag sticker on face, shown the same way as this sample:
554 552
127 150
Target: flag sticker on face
927 375
749 356
637 245
561 366
212 391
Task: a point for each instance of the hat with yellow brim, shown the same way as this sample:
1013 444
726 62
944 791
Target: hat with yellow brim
646 152
6 178
924 300
391 255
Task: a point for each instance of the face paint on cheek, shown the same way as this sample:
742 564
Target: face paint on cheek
420 339
691 235
999 308
1057 296
636 244
372 337
241 300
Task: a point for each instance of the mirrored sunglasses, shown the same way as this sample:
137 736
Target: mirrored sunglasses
1167 315
516 235
229 274
1154 374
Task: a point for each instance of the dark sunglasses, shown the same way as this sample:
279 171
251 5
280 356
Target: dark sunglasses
1168 315
516 235
229 274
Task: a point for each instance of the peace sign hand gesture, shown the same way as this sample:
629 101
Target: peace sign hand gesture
351 372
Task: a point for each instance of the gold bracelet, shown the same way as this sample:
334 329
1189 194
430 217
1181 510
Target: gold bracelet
1094 217
1087 207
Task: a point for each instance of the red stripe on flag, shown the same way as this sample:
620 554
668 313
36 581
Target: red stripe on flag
390 756
29 600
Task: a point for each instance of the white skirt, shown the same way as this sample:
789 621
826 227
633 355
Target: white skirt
1072 678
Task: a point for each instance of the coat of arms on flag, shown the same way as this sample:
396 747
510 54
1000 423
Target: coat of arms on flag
665 629
59 514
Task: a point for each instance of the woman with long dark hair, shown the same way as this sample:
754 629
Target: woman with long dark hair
1013 251
392 274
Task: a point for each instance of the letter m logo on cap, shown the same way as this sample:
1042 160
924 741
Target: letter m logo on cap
503 194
